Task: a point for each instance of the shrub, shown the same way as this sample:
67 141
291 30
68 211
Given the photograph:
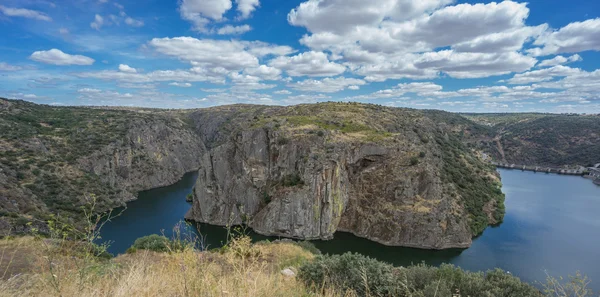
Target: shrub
422 154
156 243
349 271
414 161
282 141
292 180
366 276
320 133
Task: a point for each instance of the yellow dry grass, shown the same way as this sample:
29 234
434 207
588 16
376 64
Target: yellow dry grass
241 269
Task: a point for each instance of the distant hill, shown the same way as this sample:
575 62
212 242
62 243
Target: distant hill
541 139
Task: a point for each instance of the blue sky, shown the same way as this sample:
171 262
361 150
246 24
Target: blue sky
478 56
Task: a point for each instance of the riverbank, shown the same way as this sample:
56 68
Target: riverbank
563 171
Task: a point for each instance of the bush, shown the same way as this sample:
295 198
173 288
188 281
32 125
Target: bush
156 243
366 276
414 161
349 271
320 133
422 154
292 180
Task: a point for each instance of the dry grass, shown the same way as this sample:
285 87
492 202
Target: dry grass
241 269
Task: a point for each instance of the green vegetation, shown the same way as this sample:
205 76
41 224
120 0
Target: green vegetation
43 150
156 243
540 139
369 277
475 188
292 180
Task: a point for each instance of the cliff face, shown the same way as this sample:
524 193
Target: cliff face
53 158
154 153
287 173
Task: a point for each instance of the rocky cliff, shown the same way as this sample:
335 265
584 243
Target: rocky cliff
308 171
52 159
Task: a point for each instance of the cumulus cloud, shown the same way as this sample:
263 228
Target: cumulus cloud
475 65
264 72
230 30
127 68
57 57
246 7
560 60
24 13
201 12
327 85
282 92
395 39
227 54
574 37
543 74
308 63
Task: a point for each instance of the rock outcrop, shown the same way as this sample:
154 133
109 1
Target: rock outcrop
286 175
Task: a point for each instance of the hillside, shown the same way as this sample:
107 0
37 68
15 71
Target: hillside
52 159
396 176
541 139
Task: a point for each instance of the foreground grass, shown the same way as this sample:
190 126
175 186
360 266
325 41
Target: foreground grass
242 269
48 267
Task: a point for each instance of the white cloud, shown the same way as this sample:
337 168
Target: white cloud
201 12
282 92
309 64
98 22
228 54
88 90
133 22
63 31
264 72
260 49
7 67
385 39
574 37
353 87
193 75
341 16
326 85
127 68
181 85
229 29
560 60
541 75
248 82
24 13
475 65
57 57
246 7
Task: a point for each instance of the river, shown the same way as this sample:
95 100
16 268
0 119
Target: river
552 224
